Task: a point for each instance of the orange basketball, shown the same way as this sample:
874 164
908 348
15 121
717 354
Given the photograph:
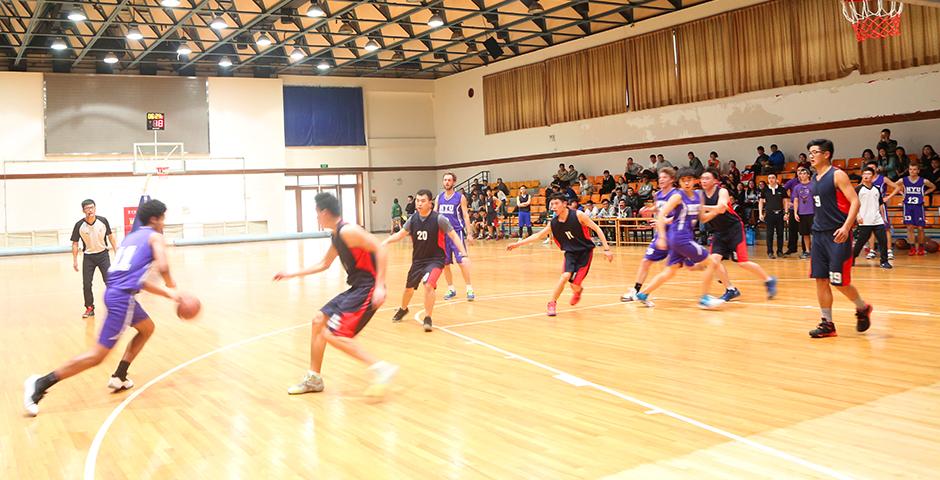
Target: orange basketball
188 307
932 246
901 244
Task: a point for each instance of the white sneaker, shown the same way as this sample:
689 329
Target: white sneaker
890 254
29 389
311 383
384 372
871 255
629 296
117 384
709 302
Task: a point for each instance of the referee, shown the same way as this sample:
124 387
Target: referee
94 232
771 211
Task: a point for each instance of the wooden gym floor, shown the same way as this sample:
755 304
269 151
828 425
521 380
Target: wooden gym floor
604 390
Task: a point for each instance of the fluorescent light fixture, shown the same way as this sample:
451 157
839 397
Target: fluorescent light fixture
536 8
59 44
218 23
315 10
76 14
133 33
170 3
372 45
184 49
435 21
323 65
346 29
264 40
110 58
296 54
225 62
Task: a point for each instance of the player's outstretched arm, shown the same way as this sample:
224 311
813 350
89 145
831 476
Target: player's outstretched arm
396 237
319 267
530 239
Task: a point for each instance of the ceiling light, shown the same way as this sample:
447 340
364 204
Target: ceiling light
58 44
315 10
170 3
225 62
346 29
435 21
76 14
536 8
457 35
264 40
372 45
296 54
218 23
323 65
472 46
110 58
133 33
398 55
184 49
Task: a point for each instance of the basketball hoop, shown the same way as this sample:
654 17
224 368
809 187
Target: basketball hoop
873 18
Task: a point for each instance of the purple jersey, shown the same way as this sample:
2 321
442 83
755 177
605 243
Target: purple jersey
913 191
802 196
686 214
879 182
132 261
451 209
661 198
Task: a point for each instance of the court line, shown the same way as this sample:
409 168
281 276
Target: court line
578 381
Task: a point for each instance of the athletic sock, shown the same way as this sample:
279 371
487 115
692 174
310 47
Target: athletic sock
826 314
44 383
638 286
121 371
859 303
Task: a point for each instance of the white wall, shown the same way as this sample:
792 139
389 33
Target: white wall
21 115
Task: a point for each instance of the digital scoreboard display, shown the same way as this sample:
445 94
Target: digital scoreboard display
156 121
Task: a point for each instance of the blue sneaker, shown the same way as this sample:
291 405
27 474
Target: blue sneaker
450 294
771 288
730 294
644 298
470 295
709 302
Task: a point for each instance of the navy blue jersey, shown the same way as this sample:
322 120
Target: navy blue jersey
359 263
570 235
832 208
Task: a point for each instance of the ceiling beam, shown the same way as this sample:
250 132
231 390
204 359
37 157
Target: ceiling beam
170 31
260 18
104 27
33 22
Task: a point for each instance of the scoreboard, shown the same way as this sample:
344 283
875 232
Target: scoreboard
156 121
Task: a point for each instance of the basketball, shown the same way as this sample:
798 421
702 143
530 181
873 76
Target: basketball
932 246
188 307
901 244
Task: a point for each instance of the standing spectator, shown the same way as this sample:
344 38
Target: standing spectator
502 186
903 161
933 171
887 165
633 171
739 199
714 162
492 214
396 216
889 145
771 209
94 232
503 203
608 184
927 154
523 207
410 207
802 196
695 164
793 229
777 159
587 187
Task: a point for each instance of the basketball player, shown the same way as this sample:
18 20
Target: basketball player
428 230
727 235
915 188
870 219
345 315
667 182
883 183
831 253
523 207
571 231
679 239
453 206
126 277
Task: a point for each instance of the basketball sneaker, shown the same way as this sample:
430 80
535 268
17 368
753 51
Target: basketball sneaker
863 318
709 302
451 293
89 312
383 372
427 324
30 397
921 251
824 329
804 255
730 294
871 255
470 295
629 296
117 384
551 308
576 297
911 252
887 266
312 382
644 299
400 314
890 254
771 288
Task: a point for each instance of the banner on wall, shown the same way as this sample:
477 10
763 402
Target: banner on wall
130 215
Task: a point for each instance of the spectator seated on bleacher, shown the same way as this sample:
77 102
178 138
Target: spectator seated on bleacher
887 165
502 186
714 162
607 184
587 186
633 171
932 172
927 154
646 191
623 211
616 196
590 209
777 159
633 200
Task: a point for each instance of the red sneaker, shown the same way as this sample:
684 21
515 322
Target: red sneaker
911 252
921 251
551 308
576 297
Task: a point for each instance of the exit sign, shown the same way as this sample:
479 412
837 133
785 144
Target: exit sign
323 165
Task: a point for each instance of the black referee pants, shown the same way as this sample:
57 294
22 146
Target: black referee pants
864 233
774 221
793 232
101 261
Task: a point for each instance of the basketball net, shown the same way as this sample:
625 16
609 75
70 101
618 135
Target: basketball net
873 18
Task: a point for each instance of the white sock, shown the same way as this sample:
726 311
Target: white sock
469 287
312 373
450 288
378 366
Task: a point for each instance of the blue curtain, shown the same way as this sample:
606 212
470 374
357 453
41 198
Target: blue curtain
323 116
